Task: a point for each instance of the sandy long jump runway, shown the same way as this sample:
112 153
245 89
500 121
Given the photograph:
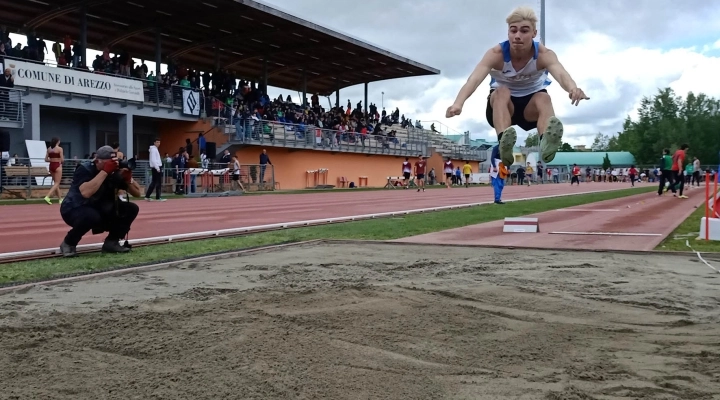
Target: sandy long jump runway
31 227
373 321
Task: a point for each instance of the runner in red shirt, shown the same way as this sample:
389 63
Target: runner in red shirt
632 173
575 175
420 172
678 166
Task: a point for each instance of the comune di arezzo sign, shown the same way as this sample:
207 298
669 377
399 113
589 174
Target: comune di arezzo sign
74 81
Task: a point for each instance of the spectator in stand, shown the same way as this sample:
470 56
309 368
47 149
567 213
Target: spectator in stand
6 81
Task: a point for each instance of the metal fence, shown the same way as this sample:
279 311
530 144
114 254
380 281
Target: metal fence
20 176
253 131
11 107
448 148
463 152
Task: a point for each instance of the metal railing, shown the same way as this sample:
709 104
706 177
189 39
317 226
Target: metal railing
20 176
11 107
440 129
155 93
448 148
214 178
463 152
274 133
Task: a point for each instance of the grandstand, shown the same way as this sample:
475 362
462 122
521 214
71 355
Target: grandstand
215 84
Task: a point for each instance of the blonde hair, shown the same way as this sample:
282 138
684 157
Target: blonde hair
521 14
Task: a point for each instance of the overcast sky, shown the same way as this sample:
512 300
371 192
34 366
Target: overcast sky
616 50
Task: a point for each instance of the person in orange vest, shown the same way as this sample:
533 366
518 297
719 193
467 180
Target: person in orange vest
498 173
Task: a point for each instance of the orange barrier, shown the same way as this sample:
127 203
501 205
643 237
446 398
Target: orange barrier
714 210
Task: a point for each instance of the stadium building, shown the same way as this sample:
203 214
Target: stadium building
209 58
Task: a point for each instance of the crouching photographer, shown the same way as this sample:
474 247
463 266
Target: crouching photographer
92 202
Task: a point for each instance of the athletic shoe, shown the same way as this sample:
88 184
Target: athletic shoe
507 143
113 246
67 251
551 140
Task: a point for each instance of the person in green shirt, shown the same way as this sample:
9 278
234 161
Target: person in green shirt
666 175
689 169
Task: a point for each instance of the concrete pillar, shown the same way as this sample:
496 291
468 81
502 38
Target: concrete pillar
158 64
337 95
365 103
158 52
34 121
304 87
83 34
265 75
125 130
92 135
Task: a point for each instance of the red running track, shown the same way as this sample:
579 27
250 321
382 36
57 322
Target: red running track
33 227
635 223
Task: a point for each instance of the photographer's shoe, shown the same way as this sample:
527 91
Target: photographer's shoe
113 246
67 251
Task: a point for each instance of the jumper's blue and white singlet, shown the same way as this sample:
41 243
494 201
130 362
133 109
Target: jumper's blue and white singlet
521 83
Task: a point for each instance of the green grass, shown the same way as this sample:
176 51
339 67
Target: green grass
689 230
377 229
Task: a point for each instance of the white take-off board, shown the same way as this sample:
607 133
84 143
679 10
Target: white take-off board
36 150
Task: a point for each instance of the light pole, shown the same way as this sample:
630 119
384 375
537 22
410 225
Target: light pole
542 21
382 101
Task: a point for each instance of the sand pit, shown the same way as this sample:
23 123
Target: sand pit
373 321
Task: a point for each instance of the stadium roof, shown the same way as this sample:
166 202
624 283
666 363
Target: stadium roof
244 31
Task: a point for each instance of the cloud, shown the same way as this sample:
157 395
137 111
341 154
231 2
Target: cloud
615 53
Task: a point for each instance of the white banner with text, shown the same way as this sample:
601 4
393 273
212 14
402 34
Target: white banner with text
75 81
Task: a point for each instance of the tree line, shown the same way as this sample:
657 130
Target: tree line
664 121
